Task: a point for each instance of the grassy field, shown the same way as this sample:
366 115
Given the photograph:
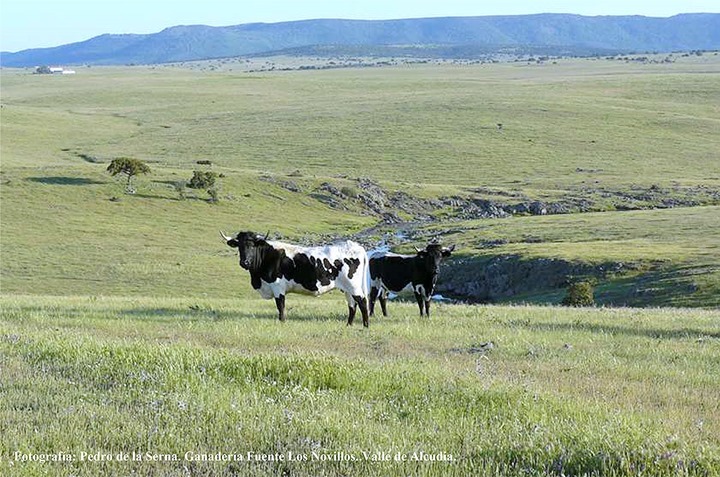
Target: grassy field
127 326
561 391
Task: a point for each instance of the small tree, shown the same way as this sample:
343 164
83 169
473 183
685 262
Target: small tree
579 294
202 180
130 167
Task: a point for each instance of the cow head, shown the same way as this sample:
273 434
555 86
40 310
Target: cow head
250 247
433 255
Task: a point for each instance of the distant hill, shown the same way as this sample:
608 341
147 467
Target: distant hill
550 32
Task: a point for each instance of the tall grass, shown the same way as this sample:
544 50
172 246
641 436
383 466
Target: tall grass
594 392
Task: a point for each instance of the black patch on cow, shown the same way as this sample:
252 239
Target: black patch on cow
300 269
395 272
255 281
353 264
324 271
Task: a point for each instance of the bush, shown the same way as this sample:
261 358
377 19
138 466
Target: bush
202 180
579 294
350 191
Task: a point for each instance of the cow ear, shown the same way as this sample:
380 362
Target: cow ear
447 251
233 243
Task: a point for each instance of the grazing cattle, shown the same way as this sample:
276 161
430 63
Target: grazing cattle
277 269
390 272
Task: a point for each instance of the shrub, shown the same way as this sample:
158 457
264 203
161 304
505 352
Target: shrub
350 191
202 180
579 294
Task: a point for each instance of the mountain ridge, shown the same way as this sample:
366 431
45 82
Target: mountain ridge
620 34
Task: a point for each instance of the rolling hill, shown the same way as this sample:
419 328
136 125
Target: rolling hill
602 35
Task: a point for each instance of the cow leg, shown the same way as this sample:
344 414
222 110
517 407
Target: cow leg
374 292
280 303
383 302
420 301
427 307
352 308
362 301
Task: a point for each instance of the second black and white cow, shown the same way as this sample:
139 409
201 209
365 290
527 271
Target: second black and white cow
277 269
390 272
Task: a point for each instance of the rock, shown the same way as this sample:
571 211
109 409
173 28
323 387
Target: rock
290 185
481 348
492 243
538 208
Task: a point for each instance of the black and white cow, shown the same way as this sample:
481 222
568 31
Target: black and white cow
277 269
390 272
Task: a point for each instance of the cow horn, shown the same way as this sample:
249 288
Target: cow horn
449 249
225 237
266 235
417 249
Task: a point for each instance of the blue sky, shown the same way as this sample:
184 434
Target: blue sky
45 23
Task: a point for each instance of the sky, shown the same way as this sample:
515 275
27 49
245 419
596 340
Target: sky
28 24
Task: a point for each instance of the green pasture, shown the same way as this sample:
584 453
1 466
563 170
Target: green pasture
559 391
633 124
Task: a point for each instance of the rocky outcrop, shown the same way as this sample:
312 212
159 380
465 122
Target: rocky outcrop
370 198
489 279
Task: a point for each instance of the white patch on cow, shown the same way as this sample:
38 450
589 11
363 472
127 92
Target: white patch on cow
271 290
290 249
420 290
282 286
